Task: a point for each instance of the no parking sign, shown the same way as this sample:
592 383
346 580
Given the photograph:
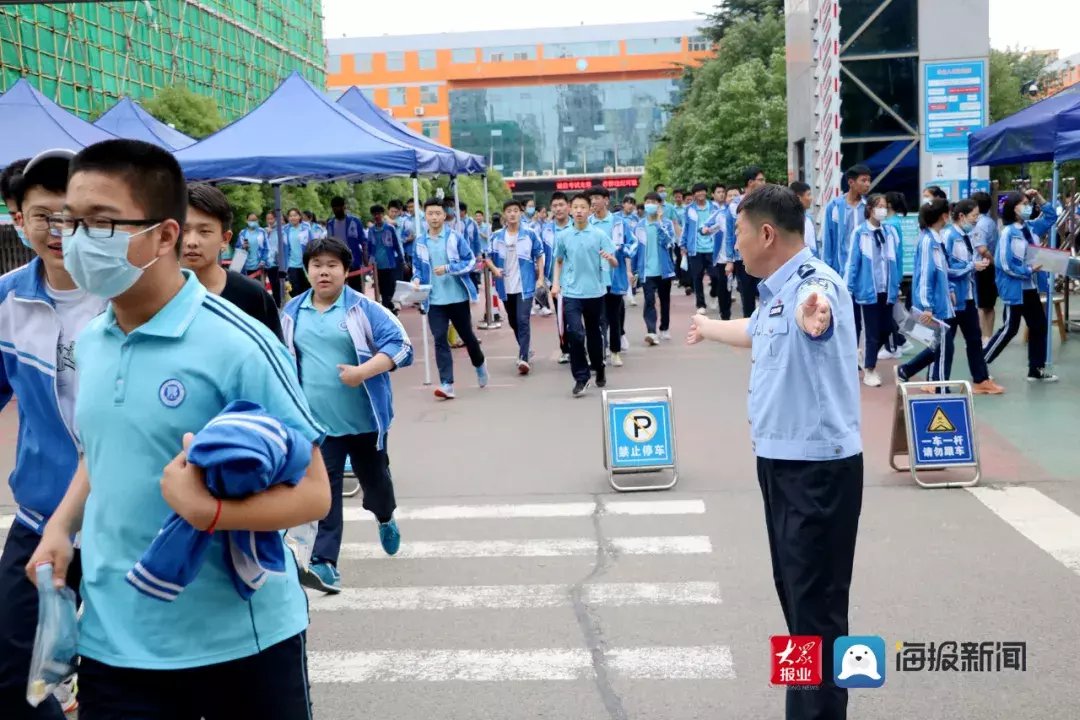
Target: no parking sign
639 435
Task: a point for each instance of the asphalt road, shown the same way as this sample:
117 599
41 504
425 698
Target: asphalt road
525 588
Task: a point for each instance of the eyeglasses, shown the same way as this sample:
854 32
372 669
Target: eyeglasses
97 227
37 221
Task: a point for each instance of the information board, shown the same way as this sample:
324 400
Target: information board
908 226
955 99
941 431
640 435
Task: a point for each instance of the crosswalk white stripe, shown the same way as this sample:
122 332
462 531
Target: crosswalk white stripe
421 549
502 597
1041 520
710 662
535 510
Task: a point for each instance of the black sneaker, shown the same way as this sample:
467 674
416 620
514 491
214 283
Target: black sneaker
601 380
1041 375
580 387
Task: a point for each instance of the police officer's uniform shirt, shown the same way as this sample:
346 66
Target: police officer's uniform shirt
138 395
511 269
323 342
804 392
583 275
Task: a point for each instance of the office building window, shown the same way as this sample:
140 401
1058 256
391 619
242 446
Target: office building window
369 93
894 28
653 46
430 128
510 52
397 97
463 55
700 43
427 59
429 94
581 49
362 62
333 65
395 61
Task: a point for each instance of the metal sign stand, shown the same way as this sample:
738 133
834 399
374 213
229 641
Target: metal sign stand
935 430
639 436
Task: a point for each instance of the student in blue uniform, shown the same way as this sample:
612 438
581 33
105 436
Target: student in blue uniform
162 361
517 263
315 228
560 223
753 178
42 312
443 260
274 256
872 277
346 345
387 253
584 256
931 295
842 215
1019 284
722 271
297 236
614 319
805 426
253 240
653 267
985 240
806 197
349 229
697 246
964 262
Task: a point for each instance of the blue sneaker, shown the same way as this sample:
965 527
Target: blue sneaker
482 375
390 537
322 576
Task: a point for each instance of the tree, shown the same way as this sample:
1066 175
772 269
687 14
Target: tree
730 13
190 113
657 169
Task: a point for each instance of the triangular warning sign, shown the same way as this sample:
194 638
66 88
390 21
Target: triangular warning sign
940 423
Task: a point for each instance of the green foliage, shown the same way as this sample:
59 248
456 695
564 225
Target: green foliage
733 13
190 113
657 170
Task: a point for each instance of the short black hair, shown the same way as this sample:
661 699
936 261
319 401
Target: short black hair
963 207
897 202
210 200
984 201
463 207
308 215
336 201
433 202
653 196
581 196
7 178
630 199
151 173
559 195
778 206
930 213
699 187
857 171
395 204
657 186
717 186
799 187
292 210
679 191
750 174
49 174
377 209
329 245
512 202
597 190
936 192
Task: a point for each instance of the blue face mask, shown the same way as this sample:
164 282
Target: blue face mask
22 237
530 211
100 265
966 226
663 196
253 224
1025 212
651 208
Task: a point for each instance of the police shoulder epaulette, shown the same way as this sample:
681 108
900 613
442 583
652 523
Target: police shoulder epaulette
806 270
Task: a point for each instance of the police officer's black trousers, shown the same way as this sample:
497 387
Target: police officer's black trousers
812 517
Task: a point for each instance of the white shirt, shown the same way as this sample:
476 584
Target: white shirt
75 309
810 235
511 271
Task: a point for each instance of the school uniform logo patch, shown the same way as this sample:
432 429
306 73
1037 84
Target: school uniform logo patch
172 393
342 326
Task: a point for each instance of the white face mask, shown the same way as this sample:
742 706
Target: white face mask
100 265
881 213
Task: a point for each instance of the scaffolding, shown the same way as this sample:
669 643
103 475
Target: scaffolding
85 56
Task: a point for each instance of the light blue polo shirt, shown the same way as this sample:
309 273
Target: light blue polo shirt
584 273
652 252
138 395
446 289
296 239
323 342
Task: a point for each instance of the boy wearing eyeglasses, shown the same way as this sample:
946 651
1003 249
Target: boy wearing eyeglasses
41 314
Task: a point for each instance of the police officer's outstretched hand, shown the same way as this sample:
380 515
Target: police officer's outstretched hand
695 335
815 315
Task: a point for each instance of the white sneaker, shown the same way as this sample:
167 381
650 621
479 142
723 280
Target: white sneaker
871 379
625 344
633 300
616 360
884 354
665 335
533 310
701 311
564 358
544 312
651 339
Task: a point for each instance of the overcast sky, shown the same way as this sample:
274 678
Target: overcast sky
1037 24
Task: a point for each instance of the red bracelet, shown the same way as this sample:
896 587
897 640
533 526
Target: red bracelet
217 516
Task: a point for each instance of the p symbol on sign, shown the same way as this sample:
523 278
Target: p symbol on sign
640 426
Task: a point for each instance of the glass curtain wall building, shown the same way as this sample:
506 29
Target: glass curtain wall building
86 55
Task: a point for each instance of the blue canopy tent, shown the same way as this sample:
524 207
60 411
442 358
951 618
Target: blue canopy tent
1049 130
359 105
128 119
31 123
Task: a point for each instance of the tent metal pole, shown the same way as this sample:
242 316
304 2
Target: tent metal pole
281 256
423 313
489 317
1054 191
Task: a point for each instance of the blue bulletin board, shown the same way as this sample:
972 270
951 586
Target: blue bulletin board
941 431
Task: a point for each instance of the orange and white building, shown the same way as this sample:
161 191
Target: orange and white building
552 107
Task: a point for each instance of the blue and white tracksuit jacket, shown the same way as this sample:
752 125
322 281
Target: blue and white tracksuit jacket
529 249
930 286
461 260
388 238
373 330
625 248
665 239
1011 271
47 450
242 451
258 248
723 246
355 238
840 223
961 265
695 219
859 273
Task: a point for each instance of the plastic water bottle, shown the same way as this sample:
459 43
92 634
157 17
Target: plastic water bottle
56 640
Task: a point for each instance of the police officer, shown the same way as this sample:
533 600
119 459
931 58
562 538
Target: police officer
804 417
